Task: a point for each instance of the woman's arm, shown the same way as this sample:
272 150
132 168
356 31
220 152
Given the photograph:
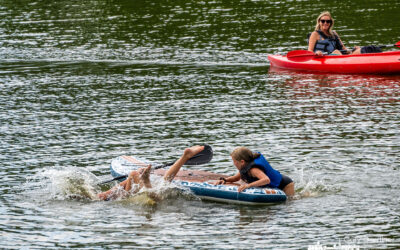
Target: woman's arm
311 43
263 179
355 51
312 40
340 41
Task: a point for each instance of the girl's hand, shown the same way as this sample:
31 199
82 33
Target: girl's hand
220 182
319 53
243 187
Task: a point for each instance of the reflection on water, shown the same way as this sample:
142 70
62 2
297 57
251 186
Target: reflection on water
381 88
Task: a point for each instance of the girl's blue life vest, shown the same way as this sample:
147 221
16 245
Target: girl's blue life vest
261 163
327 43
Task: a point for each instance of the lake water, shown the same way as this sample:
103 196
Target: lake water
82 82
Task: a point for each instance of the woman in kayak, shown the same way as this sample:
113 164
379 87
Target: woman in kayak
255 171
325 40
141 177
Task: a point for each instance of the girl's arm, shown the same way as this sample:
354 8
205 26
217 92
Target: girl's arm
233 178
260 175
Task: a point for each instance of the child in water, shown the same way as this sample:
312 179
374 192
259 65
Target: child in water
142 175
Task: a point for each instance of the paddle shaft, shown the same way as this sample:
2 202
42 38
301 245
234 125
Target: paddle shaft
379 46
125 175
309 54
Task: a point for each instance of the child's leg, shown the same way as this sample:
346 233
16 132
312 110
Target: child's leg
187 154
289 189
133 177
126 184
145 177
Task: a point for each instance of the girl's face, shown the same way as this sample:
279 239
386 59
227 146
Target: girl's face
238 164
325 22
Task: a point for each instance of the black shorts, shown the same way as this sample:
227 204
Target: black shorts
284 182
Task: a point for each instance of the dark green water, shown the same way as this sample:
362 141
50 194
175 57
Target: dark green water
82 82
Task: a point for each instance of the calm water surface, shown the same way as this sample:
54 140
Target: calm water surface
82 82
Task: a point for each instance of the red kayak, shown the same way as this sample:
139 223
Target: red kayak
374 63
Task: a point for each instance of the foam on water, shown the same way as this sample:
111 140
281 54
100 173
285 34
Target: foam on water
62 184
71 183
308 185
161 192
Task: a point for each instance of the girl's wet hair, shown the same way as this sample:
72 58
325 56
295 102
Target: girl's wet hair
243 153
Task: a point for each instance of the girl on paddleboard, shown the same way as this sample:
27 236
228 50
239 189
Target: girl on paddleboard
255 171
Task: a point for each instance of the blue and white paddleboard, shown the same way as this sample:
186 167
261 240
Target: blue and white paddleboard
200 184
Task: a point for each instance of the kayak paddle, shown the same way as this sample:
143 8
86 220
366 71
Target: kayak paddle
390 45
379 46
200 158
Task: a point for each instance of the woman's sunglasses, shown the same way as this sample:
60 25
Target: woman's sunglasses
327 21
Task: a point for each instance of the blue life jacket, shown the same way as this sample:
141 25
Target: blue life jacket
327 43
261 163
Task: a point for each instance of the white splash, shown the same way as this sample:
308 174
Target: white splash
63 184
308 185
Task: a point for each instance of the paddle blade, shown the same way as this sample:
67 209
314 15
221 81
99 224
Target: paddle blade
397 44
300 55
202 157
297 53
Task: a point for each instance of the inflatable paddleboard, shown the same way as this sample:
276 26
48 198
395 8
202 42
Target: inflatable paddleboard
201 184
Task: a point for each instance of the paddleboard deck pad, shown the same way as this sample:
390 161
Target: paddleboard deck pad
201 184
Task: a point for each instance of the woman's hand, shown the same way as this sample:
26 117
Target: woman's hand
319 53
243 187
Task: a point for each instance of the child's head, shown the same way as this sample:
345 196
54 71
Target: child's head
242 153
